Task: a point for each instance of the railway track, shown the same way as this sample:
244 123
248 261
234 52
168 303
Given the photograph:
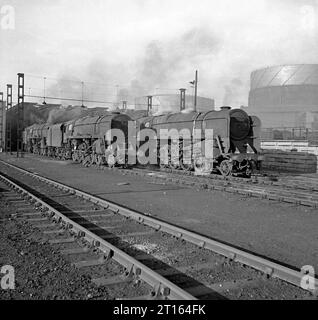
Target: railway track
283 192
297 190
161 260
77 236
284 181
293 190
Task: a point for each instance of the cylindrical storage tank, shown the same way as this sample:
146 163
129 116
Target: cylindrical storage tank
285 96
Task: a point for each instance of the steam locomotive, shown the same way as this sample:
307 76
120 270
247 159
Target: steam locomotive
236 142
82 140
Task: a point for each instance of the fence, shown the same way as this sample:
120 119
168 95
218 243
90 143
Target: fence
286 134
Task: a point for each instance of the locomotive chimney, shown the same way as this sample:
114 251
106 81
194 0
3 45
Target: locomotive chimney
182 99
149 105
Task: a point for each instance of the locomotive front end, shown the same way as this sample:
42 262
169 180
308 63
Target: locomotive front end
236 141
244 142
240 125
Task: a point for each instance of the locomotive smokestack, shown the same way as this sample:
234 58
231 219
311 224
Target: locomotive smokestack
182 99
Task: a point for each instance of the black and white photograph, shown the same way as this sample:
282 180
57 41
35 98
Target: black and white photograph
157 155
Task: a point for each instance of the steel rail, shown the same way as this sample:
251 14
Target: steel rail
259 191
268 267
254 180
164 287
262 189
262 186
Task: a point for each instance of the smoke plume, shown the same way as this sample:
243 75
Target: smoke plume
64 114
134 48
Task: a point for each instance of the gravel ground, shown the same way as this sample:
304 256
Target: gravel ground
41 272
279 231
44 274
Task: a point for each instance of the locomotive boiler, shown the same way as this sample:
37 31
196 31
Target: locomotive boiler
89 143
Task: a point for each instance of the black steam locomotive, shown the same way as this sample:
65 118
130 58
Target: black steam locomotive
235 142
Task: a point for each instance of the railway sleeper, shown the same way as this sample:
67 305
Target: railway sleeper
129 275
90 263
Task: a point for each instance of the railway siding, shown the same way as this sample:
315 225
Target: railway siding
255 223
235 281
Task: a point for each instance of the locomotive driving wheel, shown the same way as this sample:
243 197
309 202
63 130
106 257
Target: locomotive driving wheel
163 166
81 157
174 165
87 161
94 158
186 166
225 168
99 160
74 157
111 161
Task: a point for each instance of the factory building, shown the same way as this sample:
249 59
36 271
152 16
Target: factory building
286 96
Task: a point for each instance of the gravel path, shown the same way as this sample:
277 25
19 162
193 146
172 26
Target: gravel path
40 270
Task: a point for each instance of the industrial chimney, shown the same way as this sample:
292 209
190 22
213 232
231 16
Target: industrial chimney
182 99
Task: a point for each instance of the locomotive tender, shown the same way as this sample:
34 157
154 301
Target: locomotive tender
236 140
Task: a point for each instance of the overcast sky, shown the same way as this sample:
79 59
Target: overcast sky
141 45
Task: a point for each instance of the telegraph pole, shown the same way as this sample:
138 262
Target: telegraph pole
2 117
9 120
82 83
194 83
44 102
149 105
182 99
195 90
20 117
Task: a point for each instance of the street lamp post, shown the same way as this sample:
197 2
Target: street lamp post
195 84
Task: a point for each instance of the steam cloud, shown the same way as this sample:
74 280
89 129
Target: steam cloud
225 59
157 44
64 114
164 66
